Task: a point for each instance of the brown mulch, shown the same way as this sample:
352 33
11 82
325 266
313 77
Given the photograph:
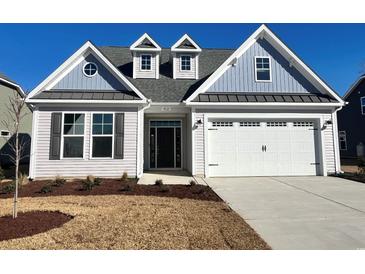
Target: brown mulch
30 223
352 176
116 187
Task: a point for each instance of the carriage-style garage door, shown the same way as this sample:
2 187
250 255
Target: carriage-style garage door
262 148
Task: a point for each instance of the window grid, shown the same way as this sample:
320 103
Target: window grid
5 133
90 69
362 101
146 62
303 124
262 67
276 124
222 124
73 131
185 62
250 124
342 140
102 129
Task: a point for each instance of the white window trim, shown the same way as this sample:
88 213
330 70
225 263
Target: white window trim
191 62
339 141
263 81
62 136
5 136
140 62
362 106
100 135
89 76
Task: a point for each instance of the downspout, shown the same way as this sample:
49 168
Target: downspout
336 140
140 139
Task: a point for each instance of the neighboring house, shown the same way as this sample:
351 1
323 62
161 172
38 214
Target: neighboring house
351 121
9 89
255 111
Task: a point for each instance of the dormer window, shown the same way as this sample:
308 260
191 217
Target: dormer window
146 62
185 62
185 58
262 69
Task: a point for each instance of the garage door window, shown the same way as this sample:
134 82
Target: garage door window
249 124
222 124
276 124
303 124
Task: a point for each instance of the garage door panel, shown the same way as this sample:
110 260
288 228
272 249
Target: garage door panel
238 149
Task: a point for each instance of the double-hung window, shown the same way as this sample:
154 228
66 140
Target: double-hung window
146 61
102 135
73 135
342 140
362 105
262 69
185 62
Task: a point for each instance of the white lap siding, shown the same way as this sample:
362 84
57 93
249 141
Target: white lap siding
45 168
199 146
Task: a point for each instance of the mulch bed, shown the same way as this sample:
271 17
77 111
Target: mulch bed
30 223
352 176
116 187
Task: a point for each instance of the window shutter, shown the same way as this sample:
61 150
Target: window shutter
119 136
55 138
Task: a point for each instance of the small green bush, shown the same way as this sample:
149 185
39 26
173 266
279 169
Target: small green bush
90 178
87 185
164 188
192 183
2 175
9 188
59 181
97 181
124 177
46 189
159 182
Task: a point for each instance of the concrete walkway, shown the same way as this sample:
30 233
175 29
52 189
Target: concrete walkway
175 177
299 212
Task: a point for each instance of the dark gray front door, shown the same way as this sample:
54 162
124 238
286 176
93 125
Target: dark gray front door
165 148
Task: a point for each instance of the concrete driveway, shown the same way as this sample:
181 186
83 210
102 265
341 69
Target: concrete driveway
299 212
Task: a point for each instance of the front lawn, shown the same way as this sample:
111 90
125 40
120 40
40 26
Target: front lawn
182 217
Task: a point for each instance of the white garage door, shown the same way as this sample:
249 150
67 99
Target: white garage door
262 148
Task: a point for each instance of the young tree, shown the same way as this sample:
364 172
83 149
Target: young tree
13 117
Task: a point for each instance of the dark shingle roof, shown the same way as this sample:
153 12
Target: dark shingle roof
167 89
263 98
87 95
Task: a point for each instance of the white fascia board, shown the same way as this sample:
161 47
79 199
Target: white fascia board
264 32
186 37
353 86
263 105
88 46
140 39
16 86
64 101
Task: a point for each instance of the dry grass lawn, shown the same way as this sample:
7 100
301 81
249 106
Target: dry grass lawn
136 222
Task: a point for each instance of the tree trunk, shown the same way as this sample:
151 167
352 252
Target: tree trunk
15 208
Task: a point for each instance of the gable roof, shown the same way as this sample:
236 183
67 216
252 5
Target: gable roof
6 80
264 32
145 43
354 86
166 89
59 73
186 43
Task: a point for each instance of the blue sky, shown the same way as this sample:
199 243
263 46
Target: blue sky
30 52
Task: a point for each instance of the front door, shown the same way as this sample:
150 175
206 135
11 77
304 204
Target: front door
165 144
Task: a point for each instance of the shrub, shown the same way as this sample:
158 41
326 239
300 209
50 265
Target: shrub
199 189
97 181
126 187
46 189
87 185
90 178
124 177
192 183
2 175
361 165
164 188
23 179
59 181
159 182
9 188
